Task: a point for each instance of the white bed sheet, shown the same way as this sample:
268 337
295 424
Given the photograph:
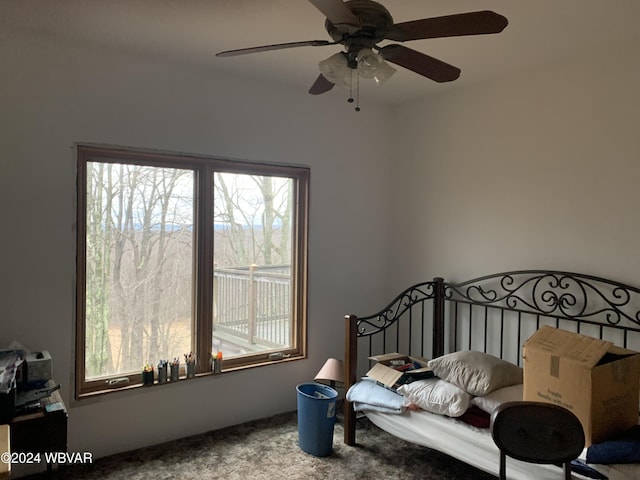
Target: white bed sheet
475 446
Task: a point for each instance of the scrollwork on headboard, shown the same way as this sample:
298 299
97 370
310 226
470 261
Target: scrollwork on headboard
494 314
552 293
377 322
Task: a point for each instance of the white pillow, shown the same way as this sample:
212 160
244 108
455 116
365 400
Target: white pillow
490 402
477 373
436 396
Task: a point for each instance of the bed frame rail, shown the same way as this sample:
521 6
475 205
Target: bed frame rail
494 314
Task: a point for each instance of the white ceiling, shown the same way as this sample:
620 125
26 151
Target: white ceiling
192 31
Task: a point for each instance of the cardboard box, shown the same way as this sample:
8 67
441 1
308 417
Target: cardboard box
395 369
5 467
596 380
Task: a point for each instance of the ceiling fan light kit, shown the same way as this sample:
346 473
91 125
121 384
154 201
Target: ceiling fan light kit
359 25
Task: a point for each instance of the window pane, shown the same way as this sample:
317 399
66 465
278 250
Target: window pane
154 283
252 304
139 266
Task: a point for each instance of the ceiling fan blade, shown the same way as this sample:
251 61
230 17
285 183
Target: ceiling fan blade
321 85
472 23
420 63
277 46
337 12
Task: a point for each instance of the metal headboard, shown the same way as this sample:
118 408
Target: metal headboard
495 314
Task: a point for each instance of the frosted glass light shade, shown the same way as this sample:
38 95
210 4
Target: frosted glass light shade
372 65
368 62
383 73
336 70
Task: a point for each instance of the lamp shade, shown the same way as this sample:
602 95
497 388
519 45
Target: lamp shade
372 65
368 62
332 371
336 70
383 73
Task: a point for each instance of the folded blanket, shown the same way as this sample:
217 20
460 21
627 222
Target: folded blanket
368 395
622 449
476 417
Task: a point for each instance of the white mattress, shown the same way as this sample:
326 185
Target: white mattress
475 446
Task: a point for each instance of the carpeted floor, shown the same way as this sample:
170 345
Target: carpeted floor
268 449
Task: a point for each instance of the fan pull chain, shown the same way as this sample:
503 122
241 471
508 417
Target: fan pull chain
357 92
350 99
357 99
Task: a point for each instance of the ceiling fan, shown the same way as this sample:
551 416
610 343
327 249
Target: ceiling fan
359 25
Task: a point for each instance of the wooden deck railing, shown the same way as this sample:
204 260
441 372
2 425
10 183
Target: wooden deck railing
253 303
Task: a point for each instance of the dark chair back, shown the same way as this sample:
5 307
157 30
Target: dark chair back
537 432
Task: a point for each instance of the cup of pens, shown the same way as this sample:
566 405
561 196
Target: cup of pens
217 362
147 375
175 370
162 371
190 365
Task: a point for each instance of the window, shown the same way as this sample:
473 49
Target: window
181 254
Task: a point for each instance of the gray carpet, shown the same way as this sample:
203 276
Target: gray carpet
268 449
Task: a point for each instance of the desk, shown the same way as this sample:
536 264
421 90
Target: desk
41 431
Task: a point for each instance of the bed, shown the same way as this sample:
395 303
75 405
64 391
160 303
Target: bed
494 314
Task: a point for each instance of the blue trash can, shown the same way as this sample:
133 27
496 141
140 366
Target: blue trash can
316 418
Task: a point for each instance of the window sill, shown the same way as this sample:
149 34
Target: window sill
137 380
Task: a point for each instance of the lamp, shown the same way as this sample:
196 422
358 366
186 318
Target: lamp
383 73
332 371
340 67
372 65
336 70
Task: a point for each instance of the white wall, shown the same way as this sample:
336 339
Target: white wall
538 170
53 94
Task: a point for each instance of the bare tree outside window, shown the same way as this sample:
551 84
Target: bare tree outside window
252 262
182 254
139 265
